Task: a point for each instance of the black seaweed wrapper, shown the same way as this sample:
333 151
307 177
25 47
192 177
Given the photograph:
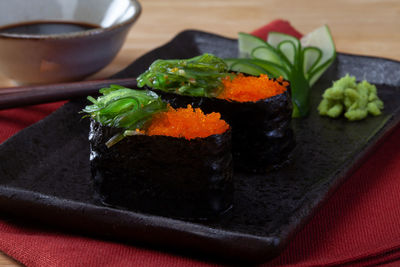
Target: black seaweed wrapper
262 137
163 175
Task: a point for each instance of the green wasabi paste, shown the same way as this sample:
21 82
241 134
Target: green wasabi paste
355 100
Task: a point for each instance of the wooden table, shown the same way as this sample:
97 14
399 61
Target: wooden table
365 27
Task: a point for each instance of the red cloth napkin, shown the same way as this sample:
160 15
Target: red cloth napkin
358 226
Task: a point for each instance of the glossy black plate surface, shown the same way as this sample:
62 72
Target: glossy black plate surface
44 169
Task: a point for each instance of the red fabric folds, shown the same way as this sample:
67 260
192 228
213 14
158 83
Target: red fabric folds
358 226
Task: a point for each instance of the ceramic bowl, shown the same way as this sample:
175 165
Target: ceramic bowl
29 58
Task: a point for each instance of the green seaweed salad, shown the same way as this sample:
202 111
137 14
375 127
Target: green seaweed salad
198 76
124 108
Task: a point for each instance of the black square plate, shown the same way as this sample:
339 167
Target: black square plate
44 169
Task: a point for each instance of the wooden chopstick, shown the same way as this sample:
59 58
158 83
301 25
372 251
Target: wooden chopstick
32 95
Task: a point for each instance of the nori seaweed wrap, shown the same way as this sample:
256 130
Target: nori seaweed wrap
262 137
164 175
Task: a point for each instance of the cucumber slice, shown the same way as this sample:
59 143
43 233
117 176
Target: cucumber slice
317 72
288 46
247 43
311 57
231 61
245 67
273 70
275 38
288 49
320 38
300 94
267 53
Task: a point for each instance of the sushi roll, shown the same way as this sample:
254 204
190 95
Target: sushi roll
258 108
147 156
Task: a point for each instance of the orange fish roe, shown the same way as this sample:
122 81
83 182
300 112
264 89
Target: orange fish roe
187 122
250 88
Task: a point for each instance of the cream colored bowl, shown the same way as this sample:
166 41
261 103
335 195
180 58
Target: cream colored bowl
60 57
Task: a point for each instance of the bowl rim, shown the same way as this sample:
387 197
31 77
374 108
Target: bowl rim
84 33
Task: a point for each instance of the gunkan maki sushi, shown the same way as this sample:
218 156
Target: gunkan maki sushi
258 108
149 157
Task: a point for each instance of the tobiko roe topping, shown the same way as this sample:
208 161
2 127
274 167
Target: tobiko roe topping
187 122
251 88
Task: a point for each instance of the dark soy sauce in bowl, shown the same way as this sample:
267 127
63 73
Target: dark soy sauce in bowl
55 43
47 27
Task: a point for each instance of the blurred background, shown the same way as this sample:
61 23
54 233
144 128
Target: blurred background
366 27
